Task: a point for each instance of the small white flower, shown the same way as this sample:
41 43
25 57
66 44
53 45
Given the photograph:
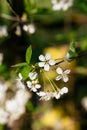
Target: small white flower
45 95
46 61
32 75
33 85
62 75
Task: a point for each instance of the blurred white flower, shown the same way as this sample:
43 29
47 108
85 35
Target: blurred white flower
19 82
3 89
22 97
30 28
46 61
62 75
67 4
58 6
14 109
84 102
33 85
61 4
3 31
3 116
1 58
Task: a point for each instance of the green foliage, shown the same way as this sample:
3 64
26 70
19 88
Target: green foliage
25 71
72 52
20 64
28 54
1 127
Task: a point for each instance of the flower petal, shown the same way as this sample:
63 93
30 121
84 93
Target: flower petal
29 84
41 64
33 75
67 71
41 58
34 89
52 62
46 67
56 95
20 76
59 70
58 77
48 56
41 93
37 86
65 78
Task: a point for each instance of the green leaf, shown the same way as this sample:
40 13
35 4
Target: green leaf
20 64
72 52
28 54
25 71
72 47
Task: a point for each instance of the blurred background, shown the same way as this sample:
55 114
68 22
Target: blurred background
49 26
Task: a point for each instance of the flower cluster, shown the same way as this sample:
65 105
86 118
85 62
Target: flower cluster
44 66
61 4
12 107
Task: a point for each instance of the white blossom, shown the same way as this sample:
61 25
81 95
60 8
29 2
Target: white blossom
32 75
3 116
49 95
62 75
45 95
33 85
46 61
30 28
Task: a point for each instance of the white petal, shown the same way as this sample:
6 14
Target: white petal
41 93
67 71
20 76
41 64
56 95
37 86
65 79
34 89
52 62
63 90
58 77
42 58
29 84
33 75
46 67
47 56
59 70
